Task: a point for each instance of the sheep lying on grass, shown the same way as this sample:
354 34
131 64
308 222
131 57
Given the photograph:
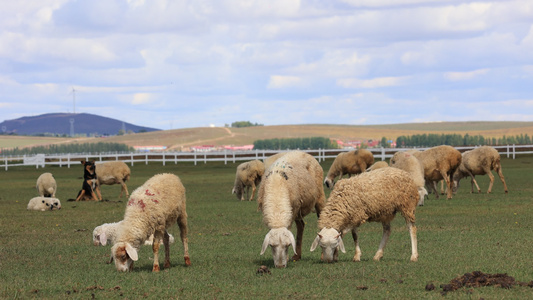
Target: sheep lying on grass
107 234
46 185
151 209
44 203
353 162
479 161
407 162
370 197
248 175
113 172
291 189
439 163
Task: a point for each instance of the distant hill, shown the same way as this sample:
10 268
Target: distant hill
60 124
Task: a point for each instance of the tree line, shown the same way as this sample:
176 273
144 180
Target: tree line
294 143
70 148
431 140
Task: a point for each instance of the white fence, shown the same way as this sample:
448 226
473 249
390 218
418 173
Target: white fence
66 160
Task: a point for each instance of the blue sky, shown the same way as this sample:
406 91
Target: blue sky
180 64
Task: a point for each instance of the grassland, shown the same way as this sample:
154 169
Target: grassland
182 138
49 255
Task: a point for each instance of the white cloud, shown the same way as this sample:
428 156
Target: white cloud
460 76
279 82
371 83
142 98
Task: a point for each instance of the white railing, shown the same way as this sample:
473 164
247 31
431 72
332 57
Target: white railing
66 160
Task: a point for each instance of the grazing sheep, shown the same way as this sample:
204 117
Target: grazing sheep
370 197
439 163
107 234
114 172
271 159
290 190
353 162
479 161
248 175
44 203
407 162
152 208
46 185
377 165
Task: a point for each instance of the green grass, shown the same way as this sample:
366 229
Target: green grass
50 254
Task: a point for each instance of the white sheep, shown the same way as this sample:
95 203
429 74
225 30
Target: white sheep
44 203
152 208
370 197
107 234
271 159
439 163
479 161
291 189
46 185
113 172
353 162
248 175
408 162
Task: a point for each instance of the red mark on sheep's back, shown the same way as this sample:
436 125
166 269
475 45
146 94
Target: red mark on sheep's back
131 202
155 201
141 204
147 192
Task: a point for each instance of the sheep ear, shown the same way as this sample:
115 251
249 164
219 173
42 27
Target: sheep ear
315 242
131 252
341 244
103 239
265 243
293 242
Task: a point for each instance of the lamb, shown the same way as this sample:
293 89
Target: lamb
370 197
44 203
353 162
479 161
407 162
152 209
107 233
248 175
114 172
291 188
46 185
439 163
377 165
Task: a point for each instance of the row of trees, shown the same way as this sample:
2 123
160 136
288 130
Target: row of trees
295 143
431 140
71 148
240 124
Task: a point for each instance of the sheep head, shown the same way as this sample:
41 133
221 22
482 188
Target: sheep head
279 239
124 254
330 241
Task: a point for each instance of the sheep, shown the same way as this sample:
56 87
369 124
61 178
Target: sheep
271 159
44 203
248 175
408 162
370 197
291 188
439 163
151 209
377 165
46 185
353 162
479 161
107 233
113 172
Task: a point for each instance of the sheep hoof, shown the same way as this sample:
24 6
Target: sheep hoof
156 268
167 265
187 261
296 257
414 258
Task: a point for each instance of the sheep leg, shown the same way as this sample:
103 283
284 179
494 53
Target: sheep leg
166 242
357 256
433 187
412 232
124 189
498 169
155 248
182 223
384 239
448 179
300 224
253 192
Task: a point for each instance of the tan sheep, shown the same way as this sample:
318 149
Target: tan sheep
46 185
370 197
408 162
439 163
377 165
479 161
353 162
271 159
152 208
291 189
113 172
248 175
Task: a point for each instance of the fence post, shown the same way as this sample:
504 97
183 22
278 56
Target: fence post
507 150
195 158
6 162
225 156
131 159
205 157
514 152
146 158
164 159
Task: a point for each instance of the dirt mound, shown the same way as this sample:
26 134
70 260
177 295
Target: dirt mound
480 279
